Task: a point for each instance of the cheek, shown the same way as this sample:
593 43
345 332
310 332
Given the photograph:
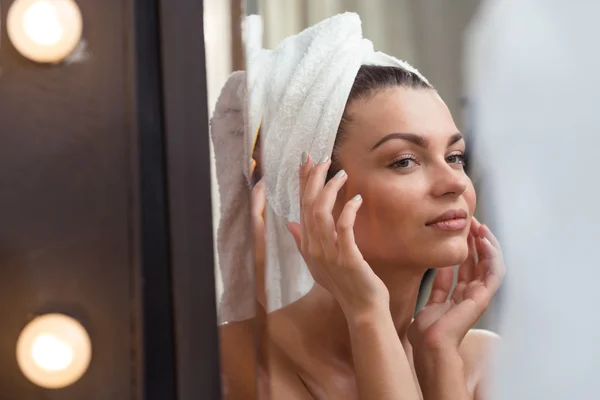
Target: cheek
387 220
388 205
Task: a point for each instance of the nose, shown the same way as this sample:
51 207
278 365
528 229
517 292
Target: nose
448 181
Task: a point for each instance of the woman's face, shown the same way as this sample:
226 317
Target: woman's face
403 153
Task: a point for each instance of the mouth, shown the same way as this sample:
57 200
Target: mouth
452 220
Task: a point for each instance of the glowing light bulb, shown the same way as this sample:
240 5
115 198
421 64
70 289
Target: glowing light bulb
41 24
45 31
53 351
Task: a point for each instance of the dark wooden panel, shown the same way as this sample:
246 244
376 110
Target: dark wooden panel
186 125
65 203
158 355
83 209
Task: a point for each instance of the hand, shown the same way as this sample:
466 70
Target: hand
444 323
329 248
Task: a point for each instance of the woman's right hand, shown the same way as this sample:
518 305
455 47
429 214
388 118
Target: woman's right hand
328 246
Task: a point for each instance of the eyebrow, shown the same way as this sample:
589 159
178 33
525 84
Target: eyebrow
419 140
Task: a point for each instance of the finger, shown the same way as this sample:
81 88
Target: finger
485 232
486 250
324 221
480 268
496 268
475 225
441 285
313 180
306 165
461 318
312 188
490 267
345 230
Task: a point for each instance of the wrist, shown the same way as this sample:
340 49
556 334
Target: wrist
443 355
374 314
434 344
441 374
364 309
433 362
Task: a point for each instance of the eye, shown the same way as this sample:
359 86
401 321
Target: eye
457 159
404 162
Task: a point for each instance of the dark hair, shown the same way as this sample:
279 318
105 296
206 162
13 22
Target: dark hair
370 80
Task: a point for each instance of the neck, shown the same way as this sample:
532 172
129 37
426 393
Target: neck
403 285
318 322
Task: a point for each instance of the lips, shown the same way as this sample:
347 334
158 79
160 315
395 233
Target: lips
451 220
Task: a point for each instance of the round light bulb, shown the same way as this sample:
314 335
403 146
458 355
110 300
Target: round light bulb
54 351
51 353
45 31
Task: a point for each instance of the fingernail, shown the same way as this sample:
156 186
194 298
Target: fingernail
304 159
358 197
340 174
324 160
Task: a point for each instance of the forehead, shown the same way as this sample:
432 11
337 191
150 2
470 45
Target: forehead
400 110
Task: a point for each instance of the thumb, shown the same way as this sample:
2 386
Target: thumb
294 228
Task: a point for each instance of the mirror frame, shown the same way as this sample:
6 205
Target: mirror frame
186 139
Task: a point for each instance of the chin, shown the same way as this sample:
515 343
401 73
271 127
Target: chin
448 253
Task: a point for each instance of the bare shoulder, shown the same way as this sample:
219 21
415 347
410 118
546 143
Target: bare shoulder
285 383
239 374
476 352
477 346
480 338
237 345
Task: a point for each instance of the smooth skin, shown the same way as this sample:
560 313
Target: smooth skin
353 336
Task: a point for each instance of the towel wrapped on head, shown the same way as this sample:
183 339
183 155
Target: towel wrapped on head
232 160
300 92
297 95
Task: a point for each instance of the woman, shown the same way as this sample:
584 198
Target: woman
393 201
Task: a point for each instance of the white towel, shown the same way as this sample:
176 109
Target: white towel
233 143
232 160
299 92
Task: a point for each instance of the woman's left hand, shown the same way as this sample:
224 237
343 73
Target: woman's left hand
442 323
